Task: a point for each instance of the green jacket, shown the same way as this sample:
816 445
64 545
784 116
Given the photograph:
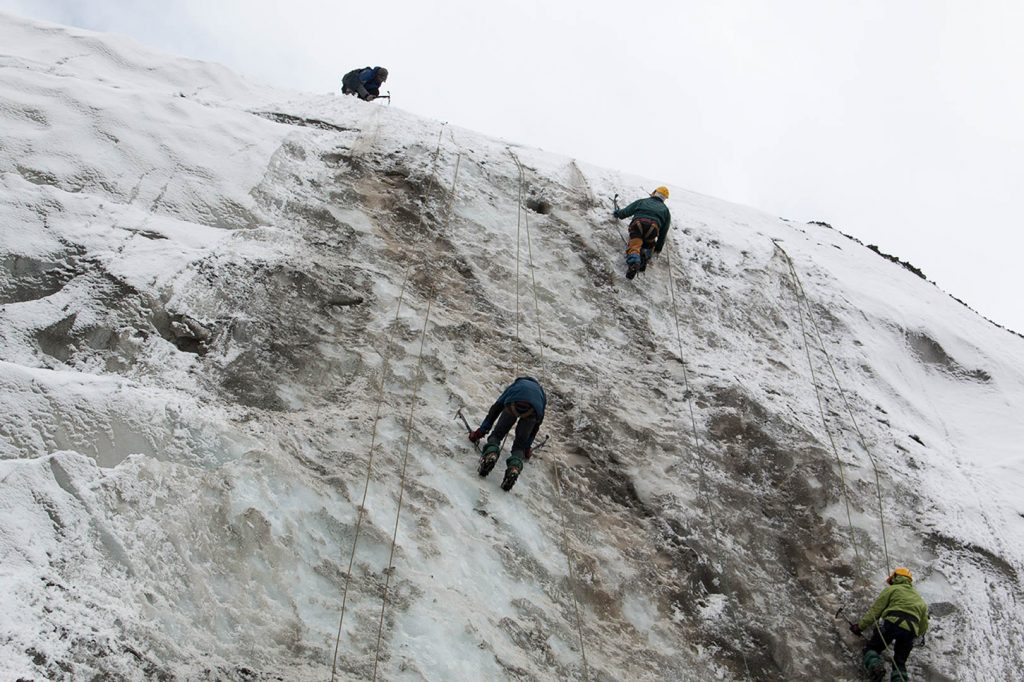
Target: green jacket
900 596
653 208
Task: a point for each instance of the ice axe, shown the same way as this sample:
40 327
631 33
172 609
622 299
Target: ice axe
536 448
469 429
845 619
615 203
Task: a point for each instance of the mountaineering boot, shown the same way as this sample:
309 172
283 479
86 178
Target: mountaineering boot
874 665
633 265
511 475
488 459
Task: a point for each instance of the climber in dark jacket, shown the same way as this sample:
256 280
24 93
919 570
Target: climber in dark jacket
524 401
365 82
896 618
647 230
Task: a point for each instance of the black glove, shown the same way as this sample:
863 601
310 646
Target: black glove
855 628
475 436
529 453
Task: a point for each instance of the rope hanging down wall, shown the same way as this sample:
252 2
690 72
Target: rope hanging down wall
802 303
401 486
703 491
559 490
385 368
412 406
698 447
377 415
522 217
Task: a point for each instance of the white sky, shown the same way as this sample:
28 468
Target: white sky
900 122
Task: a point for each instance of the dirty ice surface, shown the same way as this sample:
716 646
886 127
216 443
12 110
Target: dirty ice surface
216 296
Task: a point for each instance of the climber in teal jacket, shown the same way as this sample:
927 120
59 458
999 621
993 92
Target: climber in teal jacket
524 401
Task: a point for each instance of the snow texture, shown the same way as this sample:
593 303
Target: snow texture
210 287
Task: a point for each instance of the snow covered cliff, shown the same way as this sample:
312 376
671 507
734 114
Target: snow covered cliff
211 290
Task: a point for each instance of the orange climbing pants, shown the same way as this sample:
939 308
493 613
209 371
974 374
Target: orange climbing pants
643 233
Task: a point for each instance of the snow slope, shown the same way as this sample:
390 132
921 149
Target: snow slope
209 288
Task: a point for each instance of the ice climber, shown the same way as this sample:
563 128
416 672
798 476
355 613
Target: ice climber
524 401
364 82
904 616
647 230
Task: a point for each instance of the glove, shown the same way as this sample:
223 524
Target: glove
371 97
529 453
475 436
855 628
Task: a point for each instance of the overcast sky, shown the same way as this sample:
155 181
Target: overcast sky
900 122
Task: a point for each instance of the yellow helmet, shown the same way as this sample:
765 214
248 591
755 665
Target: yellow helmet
661 191
905 572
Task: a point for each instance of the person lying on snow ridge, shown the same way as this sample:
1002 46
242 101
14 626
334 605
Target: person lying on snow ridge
364 83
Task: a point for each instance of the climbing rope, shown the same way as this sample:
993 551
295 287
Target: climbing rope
433 165
451 199
572 573
401 486
377 415
519 214
533 278
801 301
698 446
412 406
698 449
385 367
358 151
856 427
849 410
522 219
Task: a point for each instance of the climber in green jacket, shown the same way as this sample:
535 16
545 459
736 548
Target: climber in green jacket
904 616
647 230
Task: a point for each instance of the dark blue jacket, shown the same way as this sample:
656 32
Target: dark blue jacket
523 389
368 74
362 82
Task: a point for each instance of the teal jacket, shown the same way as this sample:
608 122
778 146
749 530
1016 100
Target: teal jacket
653 208
899 597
